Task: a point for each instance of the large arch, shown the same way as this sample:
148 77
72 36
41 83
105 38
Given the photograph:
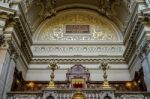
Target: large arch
100 27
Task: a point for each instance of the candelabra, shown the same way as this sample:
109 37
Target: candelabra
53 66
105 68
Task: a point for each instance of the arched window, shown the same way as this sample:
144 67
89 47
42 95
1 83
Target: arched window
50 97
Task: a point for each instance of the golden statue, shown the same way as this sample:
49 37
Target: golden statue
53 67
105 68
78 95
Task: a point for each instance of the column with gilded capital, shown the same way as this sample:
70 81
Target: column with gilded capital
11 64
3 54
7 55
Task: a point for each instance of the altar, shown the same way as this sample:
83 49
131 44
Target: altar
78 87
98 93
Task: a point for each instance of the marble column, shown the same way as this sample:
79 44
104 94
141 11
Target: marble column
7 69
9 76
4 60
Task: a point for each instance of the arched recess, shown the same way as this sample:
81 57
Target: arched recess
98 27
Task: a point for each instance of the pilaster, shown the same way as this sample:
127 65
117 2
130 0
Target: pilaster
11 64
136 42
145 60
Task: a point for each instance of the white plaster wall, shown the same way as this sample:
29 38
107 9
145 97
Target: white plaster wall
60 75
3 53
135 67
21 67
41 72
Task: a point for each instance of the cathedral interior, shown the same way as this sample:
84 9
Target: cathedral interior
74 49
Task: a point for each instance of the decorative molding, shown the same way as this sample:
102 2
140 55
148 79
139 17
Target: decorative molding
144 49
134 35
2 39
49 8
147 2
79 60
78 50
100 28
133 96
12 50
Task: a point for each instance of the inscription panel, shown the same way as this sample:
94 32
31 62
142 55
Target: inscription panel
78 29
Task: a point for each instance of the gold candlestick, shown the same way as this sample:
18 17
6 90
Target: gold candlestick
105 68
53 66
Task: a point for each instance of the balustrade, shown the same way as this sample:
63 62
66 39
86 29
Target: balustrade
68 94
5 1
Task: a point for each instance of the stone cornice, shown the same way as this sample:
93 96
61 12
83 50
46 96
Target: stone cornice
82 60
7 11
25 38
132 43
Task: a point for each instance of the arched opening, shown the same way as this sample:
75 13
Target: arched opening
77 25
78 95
107 97
50 97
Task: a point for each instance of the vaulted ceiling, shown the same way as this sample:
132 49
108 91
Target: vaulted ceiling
36 11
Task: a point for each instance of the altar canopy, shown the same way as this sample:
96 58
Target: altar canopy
78 76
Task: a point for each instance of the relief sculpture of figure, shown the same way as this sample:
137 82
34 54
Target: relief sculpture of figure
147 2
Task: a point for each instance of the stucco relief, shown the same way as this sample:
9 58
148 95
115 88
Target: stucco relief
77 50
100 28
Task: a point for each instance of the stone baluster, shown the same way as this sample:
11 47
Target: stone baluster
64 95
58 95
96 96
61 95
68 96
92 95
88 96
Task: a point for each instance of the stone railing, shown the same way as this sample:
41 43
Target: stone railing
88 93
5 1
132 95
24 95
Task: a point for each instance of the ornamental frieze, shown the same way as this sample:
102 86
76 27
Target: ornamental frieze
77 50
